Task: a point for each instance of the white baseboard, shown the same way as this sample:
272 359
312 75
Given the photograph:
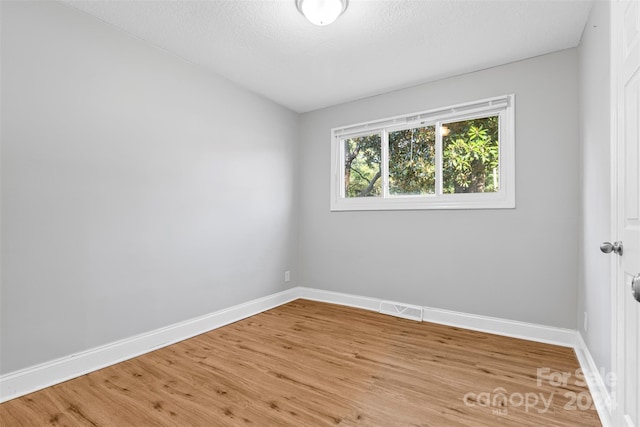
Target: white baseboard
19 383
349 300
511 328
25 381
494 325
602 398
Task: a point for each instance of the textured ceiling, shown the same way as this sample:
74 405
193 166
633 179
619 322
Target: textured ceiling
376 46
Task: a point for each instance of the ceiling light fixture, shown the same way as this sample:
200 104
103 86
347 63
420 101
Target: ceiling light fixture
322 12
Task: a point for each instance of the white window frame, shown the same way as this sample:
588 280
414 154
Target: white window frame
503 106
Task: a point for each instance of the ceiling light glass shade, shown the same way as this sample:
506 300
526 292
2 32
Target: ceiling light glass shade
322 12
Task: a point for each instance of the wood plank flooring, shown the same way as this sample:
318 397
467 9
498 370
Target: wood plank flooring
315 364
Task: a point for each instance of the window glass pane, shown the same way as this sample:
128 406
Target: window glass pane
412 155
470 156
362 157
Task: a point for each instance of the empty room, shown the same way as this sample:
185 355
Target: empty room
319 212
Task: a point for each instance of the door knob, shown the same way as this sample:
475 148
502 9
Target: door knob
635 287
608 247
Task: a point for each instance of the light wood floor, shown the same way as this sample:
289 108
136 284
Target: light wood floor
309 364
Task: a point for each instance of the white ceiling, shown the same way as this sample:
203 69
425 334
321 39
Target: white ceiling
376 46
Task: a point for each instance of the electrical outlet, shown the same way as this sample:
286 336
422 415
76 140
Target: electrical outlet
586 323
287 276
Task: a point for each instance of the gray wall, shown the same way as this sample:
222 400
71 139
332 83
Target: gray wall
595 268
516 264
137 189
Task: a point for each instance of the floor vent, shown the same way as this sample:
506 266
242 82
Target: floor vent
413 312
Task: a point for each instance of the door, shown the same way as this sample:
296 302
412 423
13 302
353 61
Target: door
626 77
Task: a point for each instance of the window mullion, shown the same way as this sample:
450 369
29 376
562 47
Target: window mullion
384 167
438 165
340 169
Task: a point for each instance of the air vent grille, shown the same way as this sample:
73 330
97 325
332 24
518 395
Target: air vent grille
413 312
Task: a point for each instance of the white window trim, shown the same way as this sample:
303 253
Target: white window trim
504 106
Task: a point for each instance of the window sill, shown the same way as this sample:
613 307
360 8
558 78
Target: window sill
450 201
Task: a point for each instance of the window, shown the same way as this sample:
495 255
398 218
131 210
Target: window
458 157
